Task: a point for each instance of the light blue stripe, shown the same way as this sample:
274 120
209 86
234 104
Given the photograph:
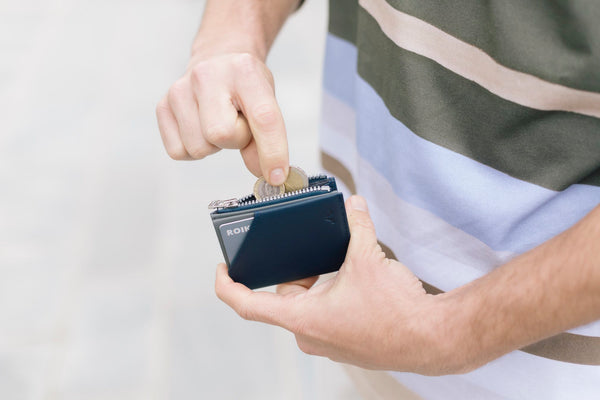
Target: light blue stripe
340 68
506 213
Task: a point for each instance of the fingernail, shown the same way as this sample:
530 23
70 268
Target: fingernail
277 177
358 203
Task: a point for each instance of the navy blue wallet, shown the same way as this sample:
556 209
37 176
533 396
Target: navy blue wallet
283 238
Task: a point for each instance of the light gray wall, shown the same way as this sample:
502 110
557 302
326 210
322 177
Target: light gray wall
107 254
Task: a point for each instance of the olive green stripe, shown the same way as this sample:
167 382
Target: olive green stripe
342 19
558 41
343 23
592 179
466 60
552 149
565 347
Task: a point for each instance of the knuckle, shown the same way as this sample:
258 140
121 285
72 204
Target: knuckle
265 115
162 107
245 62
271 156
177 153
363 222
269 76
366 255
177 91
197 151
217 134
273 151
201 72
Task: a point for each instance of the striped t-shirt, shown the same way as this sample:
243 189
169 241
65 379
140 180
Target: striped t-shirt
473 129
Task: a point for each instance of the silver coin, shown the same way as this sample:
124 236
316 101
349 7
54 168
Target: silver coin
263 190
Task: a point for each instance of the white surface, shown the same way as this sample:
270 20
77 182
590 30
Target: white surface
107 253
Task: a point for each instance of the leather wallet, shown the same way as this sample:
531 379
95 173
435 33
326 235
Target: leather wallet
283 238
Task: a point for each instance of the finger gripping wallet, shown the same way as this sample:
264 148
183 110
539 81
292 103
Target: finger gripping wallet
283 238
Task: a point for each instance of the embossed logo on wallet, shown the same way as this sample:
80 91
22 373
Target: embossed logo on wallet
233 235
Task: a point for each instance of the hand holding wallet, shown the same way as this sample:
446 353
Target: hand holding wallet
283 238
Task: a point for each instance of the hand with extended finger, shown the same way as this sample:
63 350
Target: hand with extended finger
226 101
374 313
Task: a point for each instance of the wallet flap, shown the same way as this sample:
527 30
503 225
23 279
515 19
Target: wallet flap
293 241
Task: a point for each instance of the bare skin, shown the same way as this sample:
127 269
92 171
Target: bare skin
226 98
374 313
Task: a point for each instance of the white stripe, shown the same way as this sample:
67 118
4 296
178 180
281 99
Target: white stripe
338 118
517 375
436 251
415 35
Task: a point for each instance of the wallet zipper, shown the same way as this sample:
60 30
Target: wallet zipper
250 200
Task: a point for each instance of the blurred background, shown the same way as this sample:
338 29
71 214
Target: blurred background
107 253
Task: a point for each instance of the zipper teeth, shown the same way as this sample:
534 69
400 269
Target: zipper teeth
244 202
245 199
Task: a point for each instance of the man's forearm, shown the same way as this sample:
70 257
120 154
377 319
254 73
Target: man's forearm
554 287
242 26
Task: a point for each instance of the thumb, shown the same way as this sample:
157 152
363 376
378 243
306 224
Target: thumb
362 230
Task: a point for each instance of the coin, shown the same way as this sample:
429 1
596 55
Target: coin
296 180
262 189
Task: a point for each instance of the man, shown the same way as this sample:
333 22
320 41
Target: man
471 128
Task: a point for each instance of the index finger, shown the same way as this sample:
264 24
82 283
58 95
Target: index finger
264 307
257 100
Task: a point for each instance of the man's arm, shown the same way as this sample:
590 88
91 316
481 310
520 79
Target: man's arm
233 26
226 98
552 288
375 313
